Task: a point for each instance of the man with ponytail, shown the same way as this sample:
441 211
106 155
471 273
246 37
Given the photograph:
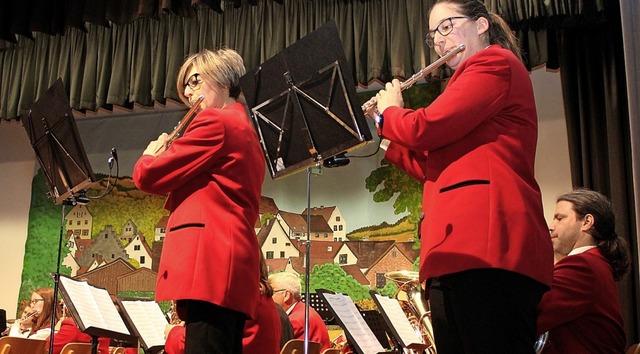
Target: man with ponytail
582 311
485 252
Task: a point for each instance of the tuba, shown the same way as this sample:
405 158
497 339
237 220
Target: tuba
411 297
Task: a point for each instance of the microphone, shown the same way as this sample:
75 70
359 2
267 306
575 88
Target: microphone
336 161
114 153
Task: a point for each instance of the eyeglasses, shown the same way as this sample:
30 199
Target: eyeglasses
445 27
193 81
279 290
35 301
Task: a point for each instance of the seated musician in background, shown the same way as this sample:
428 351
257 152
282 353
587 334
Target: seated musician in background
582 311
262 335
40 316
286 293
24 323
67 331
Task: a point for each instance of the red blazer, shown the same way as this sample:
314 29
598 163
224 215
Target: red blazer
261 335
317 330
213 175
482 205
582 311
69 332
174 344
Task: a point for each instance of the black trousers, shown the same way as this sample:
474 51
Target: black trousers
212 329
484 311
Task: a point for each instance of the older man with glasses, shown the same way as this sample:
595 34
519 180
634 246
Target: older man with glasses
286 293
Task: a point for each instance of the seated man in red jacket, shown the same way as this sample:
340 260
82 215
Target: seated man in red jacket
286 293
582 312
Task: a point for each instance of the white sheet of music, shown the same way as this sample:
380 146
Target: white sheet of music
393 311
348 313
148 319
94 305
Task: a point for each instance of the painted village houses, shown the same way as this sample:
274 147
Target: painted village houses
79 221
334 219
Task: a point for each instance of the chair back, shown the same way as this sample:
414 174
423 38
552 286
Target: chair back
20 345
634 349
296 346
76 348
331 351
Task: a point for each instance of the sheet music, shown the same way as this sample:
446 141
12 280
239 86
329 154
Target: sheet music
393 311
351 318
94 306
148 320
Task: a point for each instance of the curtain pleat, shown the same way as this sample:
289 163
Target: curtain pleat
77 58
135 59
118 92
399 45
104 66
273 34
159 76
376 49
418 25
9 90
141 54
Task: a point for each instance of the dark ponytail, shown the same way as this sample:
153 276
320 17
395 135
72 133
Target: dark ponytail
613 247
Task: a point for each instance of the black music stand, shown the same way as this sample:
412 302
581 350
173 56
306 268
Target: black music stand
318 304
398 326
55 139
304 104
379 327
304 108
356 329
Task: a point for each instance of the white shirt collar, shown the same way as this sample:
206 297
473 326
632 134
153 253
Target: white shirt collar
291 308
580 250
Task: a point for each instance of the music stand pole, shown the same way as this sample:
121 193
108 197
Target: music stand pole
307 260
56 279
56 275
306 265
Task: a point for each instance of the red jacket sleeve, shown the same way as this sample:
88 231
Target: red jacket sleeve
465 104
175 340
187 157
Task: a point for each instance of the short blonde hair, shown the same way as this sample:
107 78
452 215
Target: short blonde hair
223 66
287 281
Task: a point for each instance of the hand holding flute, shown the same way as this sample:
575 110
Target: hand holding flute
163 142
158 146
391 95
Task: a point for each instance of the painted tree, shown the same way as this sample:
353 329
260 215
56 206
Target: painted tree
387 181
330 276
41 247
